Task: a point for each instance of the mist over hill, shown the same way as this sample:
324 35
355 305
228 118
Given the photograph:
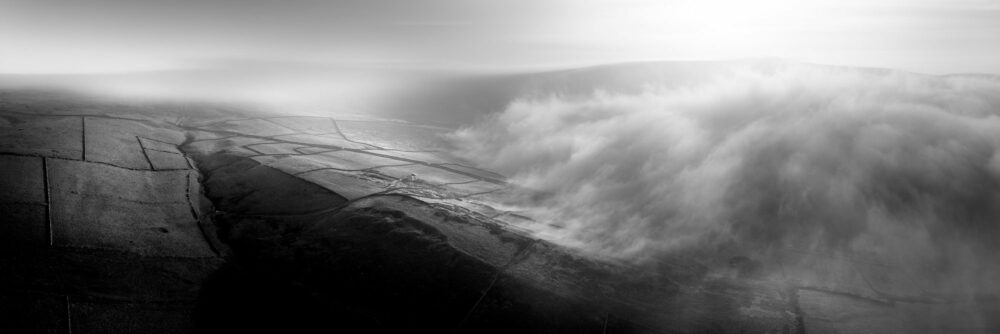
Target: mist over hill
635 191
445 97
765 155
639 158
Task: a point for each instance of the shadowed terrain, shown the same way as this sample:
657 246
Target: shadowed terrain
168 217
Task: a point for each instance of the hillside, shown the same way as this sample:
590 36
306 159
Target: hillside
129 215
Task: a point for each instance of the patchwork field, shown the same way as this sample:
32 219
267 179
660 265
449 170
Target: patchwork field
211 219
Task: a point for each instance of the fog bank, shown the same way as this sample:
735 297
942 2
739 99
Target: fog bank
898 165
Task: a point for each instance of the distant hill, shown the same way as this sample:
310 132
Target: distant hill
462 99
449 98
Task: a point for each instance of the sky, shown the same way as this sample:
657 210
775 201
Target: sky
96 36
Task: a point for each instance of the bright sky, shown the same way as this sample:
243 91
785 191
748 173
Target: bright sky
74 36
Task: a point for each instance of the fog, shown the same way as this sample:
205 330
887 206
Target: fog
894 165
642 160
293 87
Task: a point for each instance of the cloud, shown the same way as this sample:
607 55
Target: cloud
899 165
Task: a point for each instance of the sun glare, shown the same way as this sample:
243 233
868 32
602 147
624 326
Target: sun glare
714 29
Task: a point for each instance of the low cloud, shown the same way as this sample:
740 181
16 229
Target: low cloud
899 165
